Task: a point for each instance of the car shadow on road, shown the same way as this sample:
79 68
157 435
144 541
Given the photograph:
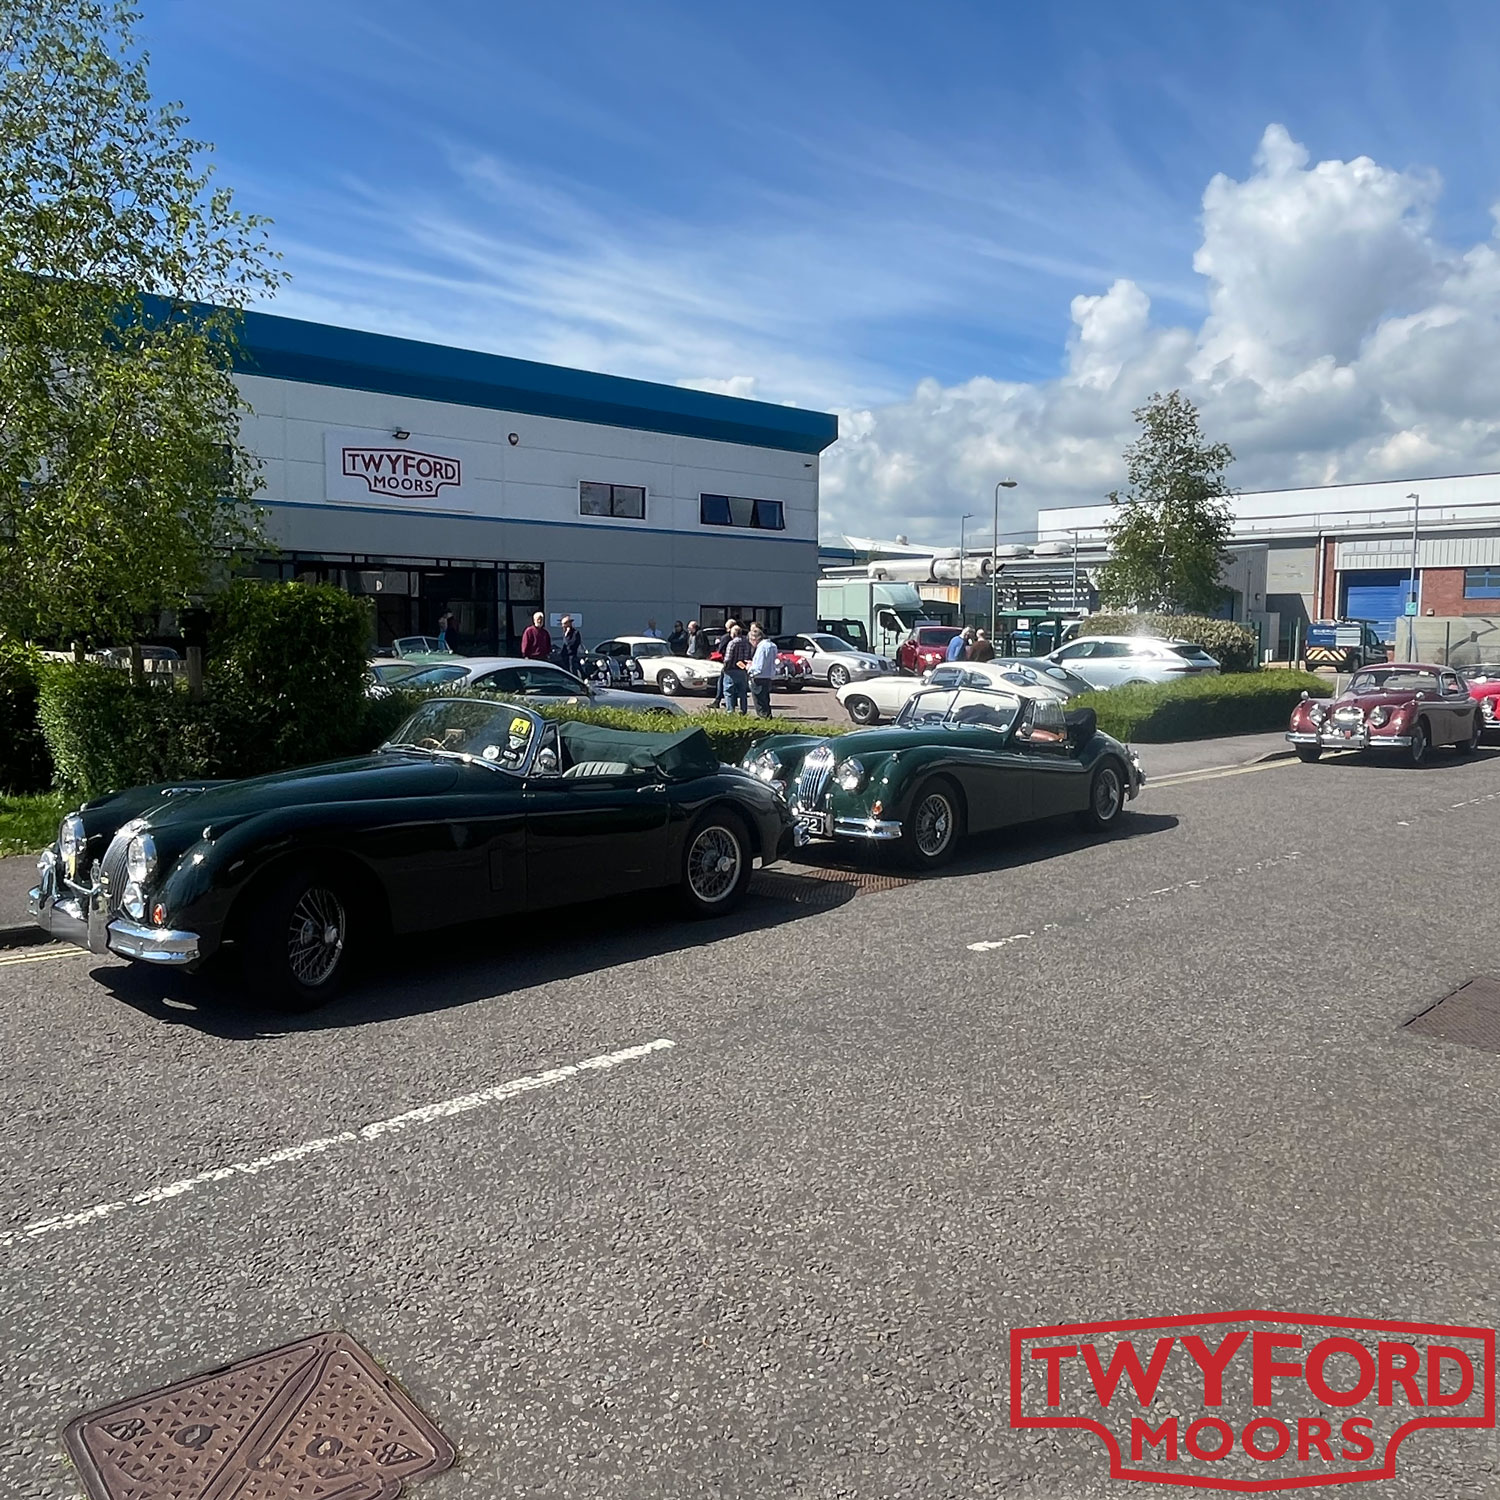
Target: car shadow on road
1444 759
411 975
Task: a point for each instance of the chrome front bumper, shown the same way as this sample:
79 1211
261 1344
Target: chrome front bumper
70 914
1361 741
865 828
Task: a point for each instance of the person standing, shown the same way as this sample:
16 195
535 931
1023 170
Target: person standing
536 643
956 647
572 645
652 633
697 643
677 641
720 644
737 656
447 628
762 670
982 649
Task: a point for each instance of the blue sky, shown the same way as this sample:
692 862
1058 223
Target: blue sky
823 203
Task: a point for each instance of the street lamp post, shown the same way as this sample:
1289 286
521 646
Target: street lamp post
1411 588
968 515
1004 484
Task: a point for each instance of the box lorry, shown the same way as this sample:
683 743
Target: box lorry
1344 645
885 611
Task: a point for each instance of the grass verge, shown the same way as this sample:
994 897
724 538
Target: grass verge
29 824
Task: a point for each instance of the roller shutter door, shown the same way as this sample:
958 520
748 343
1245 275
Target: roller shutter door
1379 597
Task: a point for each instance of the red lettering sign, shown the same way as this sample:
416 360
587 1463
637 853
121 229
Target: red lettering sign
1252 1401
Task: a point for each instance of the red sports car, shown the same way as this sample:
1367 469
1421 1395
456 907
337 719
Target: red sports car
925 648
1401 707
1484 689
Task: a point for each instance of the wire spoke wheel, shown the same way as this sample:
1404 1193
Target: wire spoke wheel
1107 795
315 936
933 824
714 863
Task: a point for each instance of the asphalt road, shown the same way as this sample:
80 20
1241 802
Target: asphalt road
782 1255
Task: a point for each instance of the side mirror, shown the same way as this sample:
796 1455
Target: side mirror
1304 695
546 761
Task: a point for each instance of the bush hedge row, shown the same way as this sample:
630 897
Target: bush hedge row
25 762
1203 707
1231 645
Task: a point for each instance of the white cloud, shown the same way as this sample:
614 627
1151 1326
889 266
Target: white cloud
1342 341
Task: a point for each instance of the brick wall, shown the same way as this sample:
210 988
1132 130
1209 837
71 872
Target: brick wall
1443 594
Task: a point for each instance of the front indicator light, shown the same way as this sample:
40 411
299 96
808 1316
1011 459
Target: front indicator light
159 914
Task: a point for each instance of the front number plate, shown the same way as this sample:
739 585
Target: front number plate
816 823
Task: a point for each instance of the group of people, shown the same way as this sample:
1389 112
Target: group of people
536 643
971 645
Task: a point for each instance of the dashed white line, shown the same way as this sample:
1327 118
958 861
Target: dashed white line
442 1110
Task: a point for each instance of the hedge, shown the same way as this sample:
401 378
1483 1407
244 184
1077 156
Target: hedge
1202 708
1231 645
25 763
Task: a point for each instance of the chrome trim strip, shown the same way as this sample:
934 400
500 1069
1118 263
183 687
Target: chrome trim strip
865 828
156 945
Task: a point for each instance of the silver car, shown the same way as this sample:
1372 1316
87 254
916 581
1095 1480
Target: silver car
1109 661
832 659
517 677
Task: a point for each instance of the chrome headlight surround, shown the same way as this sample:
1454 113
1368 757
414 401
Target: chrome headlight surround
140 859
1379 715
766 766
851 774
71 842
1316 712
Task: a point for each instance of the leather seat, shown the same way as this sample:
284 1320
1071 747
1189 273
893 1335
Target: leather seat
598 768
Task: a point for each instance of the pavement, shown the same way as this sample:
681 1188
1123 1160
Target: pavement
1072 1078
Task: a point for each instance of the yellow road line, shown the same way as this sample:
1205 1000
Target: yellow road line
40 956
1213 773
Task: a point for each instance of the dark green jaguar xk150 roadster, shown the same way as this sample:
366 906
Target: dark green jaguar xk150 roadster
474 809
954 762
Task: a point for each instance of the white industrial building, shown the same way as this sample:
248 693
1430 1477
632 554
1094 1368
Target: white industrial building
428 479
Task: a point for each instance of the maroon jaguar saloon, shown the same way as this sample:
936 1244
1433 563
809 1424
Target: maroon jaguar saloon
1398 707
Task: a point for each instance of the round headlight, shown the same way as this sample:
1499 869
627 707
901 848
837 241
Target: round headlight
1379 714
766 765
140 858
1316 712
70 838
851 774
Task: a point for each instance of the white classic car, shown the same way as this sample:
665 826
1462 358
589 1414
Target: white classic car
880 698
660 668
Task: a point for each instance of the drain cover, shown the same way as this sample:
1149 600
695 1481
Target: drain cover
315 1420
1469 1016
819 885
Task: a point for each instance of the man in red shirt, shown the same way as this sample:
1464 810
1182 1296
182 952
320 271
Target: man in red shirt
536 644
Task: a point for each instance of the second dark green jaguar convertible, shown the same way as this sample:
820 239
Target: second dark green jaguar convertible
473 810
956 761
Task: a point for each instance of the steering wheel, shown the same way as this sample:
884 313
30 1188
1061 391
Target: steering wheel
430 743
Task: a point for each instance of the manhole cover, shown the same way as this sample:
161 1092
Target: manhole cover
315 1420
1469 1016
817 885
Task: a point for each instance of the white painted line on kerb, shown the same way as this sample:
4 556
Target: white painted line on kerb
444 1109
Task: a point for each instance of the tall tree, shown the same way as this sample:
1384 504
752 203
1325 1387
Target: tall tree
1168 533
123 269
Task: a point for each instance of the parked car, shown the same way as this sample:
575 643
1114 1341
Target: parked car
1404 709
660 667
1107 661
925 648
304 870
1484 688
792 670
1040 669
833 660
956 761
881 698
517 677
421 645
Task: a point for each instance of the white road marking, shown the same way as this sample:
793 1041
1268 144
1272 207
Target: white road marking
1213 773
444 1109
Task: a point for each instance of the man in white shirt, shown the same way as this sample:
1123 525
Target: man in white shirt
762 670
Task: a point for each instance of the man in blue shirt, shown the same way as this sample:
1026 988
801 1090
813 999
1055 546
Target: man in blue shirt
762 670
958 647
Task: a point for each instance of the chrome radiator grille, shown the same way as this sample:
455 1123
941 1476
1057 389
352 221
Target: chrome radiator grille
112 871
813 781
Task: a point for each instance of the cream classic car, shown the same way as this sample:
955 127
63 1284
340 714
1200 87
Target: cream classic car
880 699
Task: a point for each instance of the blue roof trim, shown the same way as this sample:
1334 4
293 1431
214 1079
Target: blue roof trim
467 515
318 354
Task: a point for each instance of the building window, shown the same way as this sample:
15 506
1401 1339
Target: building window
1482 583
767 616
623 501
735 510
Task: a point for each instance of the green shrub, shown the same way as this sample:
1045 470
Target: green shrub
1202 707
25 764
287 669
1231 645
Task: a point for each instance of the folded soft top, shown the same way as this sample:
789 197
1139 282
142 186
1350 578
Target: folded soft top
678 755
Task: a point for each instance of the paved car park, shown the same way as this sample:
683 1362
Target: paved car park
1068 1079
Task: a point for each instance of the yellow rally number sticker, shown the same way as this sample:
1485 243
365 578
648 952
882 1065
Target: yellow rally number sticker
520 726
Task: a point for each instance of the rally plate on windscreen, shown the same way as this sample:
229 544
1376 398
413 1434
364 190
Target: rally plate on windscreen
318 1420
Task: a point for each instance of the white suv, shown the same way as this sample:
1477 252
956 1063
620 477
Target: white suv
1107 661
